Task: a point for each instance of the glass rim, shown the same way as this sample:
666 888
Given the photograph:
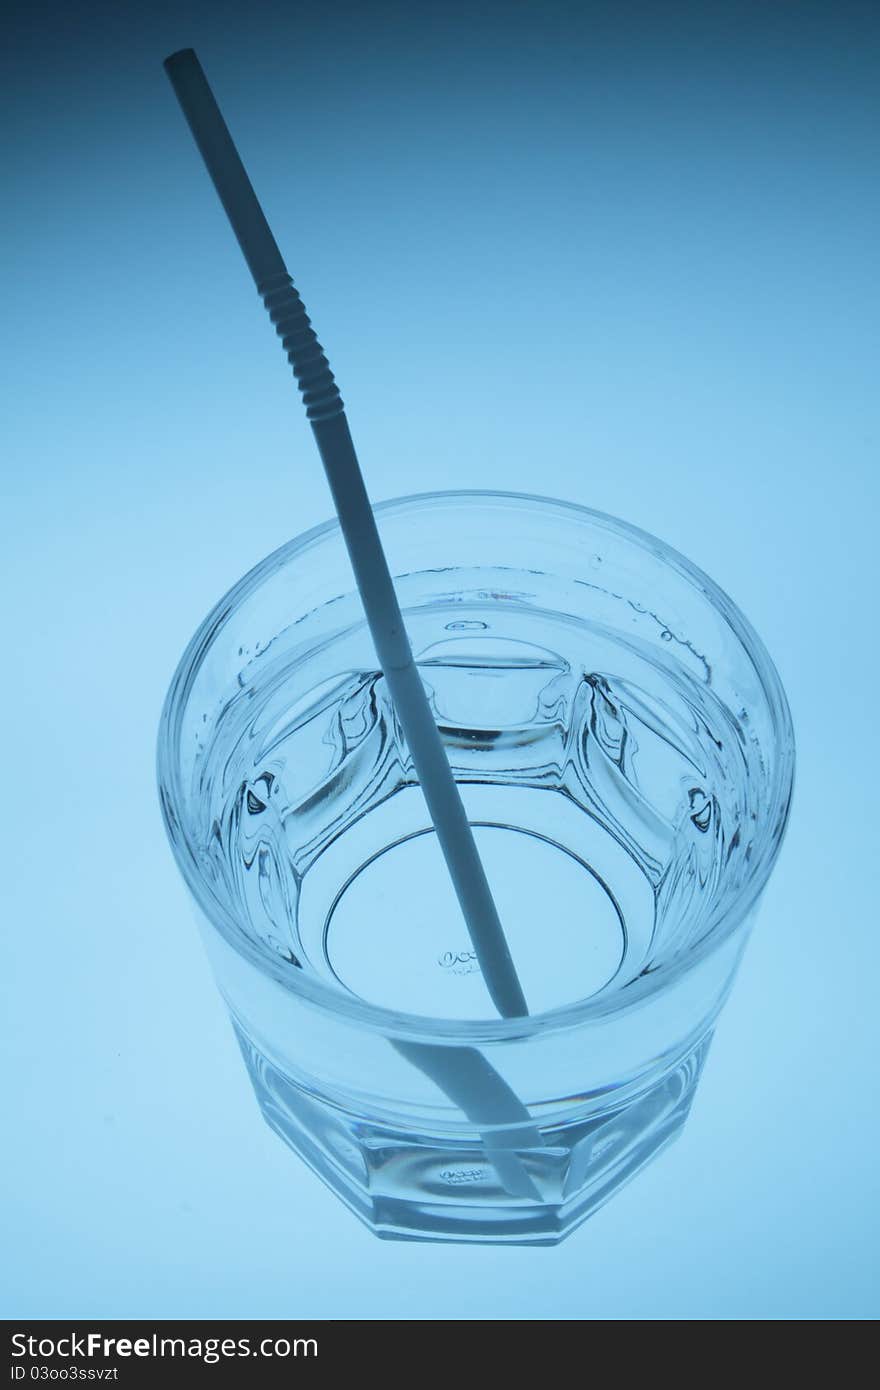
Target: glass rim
478 1031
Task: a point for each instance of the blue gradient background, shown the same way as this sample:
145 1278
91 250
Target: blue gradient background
621 254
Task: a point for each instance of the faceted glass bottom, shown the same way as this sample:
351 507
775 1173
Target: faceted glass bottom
406 1186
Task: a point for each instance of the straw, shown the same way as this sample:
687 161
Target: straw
470 1081
326 414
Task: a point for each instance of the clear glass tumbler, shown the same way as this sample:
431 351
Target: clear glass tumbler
625 755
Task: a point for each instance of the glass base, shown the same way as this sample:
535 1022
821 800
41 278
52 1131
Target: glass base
418 1187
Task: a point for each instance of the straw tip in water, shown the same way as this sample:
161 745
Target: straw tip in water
183 55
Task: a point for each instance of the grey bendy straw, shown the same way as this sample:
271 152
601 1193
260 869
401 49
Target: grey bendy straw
326 414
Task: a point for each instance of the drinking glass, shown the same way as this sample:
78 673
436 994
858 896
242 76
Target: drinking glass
624 752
